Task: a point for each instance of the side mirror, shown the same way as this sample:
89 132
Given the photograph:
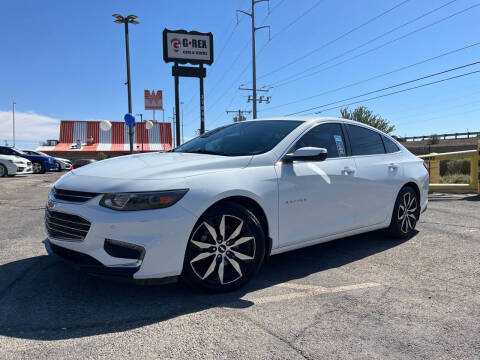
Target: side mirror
306 154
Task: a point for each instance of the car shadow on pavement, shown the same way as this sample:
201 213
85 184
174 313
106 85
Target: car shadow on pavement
49 300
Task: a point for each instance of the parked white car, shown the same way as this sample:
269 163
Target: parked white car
12 165
63 164
215 207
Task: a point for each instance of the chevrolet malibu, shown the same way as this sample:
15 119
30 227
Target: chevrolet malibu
215 207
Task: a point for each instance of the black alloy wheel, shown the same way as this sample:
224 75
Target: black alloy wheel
406 213
225 250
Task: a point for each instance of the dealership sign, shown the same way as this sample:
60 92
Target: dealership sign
153 100
184 47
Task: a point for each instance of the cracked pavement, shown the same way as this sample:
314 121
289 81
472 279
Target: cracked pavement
362 297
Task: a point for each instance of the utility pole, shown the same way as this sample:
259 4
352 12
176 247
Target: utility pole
126 21
240 113
254 67
13 118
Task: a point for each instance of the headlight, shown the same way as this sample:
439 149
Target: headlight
142 200
11 161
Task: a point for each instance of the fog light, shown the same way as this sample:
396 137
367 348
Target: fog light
124 250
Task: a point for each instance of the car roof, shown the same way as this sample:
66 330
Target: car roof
317 120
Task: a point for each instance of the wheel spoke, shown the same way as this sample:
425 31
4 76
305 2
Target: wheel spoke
201 256
241 241
412 210
404 221
241 256
236 232
202 245
409 224
220 271
235 265
222 227
211 230
210 268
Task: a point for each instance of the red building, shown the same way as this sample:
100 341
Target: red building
85 139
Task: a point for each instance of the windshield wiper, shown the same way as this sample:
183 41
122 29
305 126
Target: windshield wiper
201 151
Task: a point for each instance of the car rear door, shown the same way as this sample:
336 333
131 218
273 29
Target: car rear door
315 198
378 175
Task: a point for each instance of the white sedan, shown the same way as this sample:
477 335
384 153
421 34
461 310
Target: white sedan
213 209
11 165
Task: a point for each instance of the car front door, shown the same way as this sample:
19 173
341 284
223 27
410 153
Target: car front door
378 174
315 198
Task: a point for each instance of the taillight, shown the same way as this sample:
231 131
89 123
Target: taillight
425 164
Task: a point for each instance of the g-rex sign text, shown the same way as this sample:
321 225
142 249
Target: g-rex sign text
184 47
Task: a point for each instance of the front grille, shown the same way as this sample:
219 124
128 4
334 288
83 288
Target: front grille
66 226
74 196
20 168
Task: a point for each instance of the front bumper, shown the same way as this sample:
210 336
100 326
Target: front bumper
51 166
24 169
162 233
88 264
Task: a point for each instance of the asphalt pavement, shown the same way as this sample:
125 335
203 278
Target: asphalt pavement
362 297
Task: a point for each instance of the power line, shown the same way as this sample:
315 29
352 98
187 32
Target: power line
430 103
235 60
384 95
396 85
373 77
305 13
333 41
294 78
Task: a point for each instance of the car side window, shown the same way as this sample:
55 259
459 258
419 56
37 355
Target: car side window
328 136
365 141
6 151
390 146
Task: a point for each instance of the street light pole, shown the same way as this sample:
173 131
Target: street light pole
13 118
126 21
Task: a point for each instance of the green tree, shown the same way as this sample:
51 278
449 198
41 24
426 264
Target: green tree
366 116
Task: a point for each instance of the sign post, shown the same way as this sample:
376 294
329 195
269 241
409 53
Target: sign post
192 47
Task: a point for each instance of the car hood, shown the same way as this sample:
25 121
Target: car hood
161 165
145 172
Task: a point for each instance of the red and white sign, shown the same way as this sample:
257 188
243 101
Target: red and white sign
153 100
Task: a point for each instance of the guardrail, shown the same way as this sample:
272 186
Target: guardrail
434 159
464 135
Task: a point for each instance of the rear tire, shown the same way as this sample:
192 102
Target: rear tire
3 171
406 213
226 248
38 167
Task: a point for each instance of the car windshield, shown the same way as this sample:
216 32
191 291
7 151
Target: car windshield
242 138
20 151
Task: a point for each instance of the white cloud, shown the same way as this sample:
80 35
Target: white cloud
29 126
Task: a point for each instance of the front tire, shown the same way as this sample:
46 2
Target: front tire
406 213
226 248
38 167
3 171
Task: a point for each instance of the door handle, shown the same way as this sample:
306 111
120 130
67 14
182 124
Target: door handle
393 166
347 170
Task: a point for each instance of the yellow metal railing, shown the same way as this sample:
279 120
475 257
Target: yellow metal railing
434 159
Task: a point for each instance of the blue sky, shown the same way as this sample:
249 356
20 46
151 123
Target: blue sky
66 60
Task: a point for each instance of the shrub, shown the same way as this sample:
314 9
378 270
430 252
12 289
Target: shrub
102 156
453 167
455 179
